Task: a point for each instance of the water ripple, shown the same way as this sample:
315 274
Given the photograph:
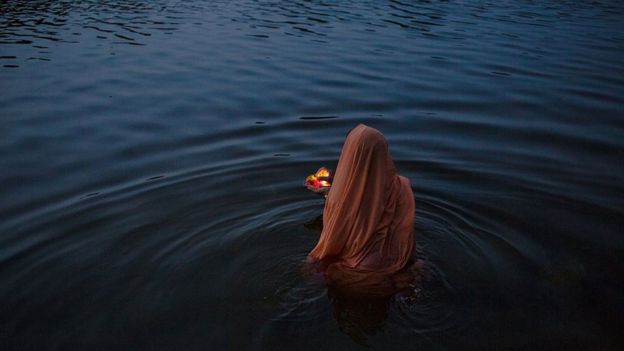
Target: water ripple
153 154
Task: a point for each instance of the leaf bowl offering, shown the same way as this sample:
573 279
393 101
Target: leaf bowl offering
319 182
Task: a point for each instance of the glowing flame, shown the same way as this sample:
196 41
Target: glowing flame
320 179
322 172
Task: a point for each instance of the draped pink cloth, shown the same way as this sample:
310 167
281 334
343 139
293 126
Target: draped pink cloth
367 240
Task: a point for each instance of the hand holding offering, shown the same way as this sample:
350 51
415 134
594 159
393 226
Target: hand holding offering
319 182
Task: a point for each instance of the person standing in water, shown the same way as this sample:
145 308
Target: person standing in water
367 241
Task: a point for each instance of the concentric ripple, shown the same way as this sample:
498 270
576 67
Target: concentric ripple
152 155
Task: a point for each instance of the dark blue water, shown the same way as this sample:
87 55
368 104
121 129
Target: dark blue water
152 155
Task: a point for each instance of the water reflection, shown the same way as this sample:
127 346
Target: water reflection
361 316
153 153
22 22
120 22
358 316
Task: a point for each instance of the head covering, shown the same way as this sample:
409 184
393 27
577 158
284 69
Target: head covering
368 219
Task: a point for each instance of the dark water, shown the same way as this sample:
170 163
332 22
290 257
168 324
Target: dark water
152 155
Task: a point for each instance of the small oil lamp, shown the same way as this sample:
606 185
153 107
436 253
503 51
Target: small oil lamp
319 182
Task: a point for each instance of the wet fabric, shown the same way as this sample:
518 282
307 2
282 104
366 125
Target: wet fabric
367 240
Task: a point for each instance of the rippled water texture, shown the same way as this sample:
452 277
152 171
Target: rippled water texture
152 155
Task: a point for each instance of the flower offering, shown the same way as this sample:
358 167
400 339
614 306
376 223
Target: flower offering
319 182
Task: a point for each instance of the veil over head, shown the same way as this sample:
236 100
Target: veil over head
368 219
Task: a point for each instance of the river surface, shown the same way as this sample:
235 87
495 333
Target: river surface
152 155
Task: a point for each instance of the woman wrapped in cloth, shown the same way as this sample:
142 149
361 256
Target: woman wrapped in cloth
367 242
